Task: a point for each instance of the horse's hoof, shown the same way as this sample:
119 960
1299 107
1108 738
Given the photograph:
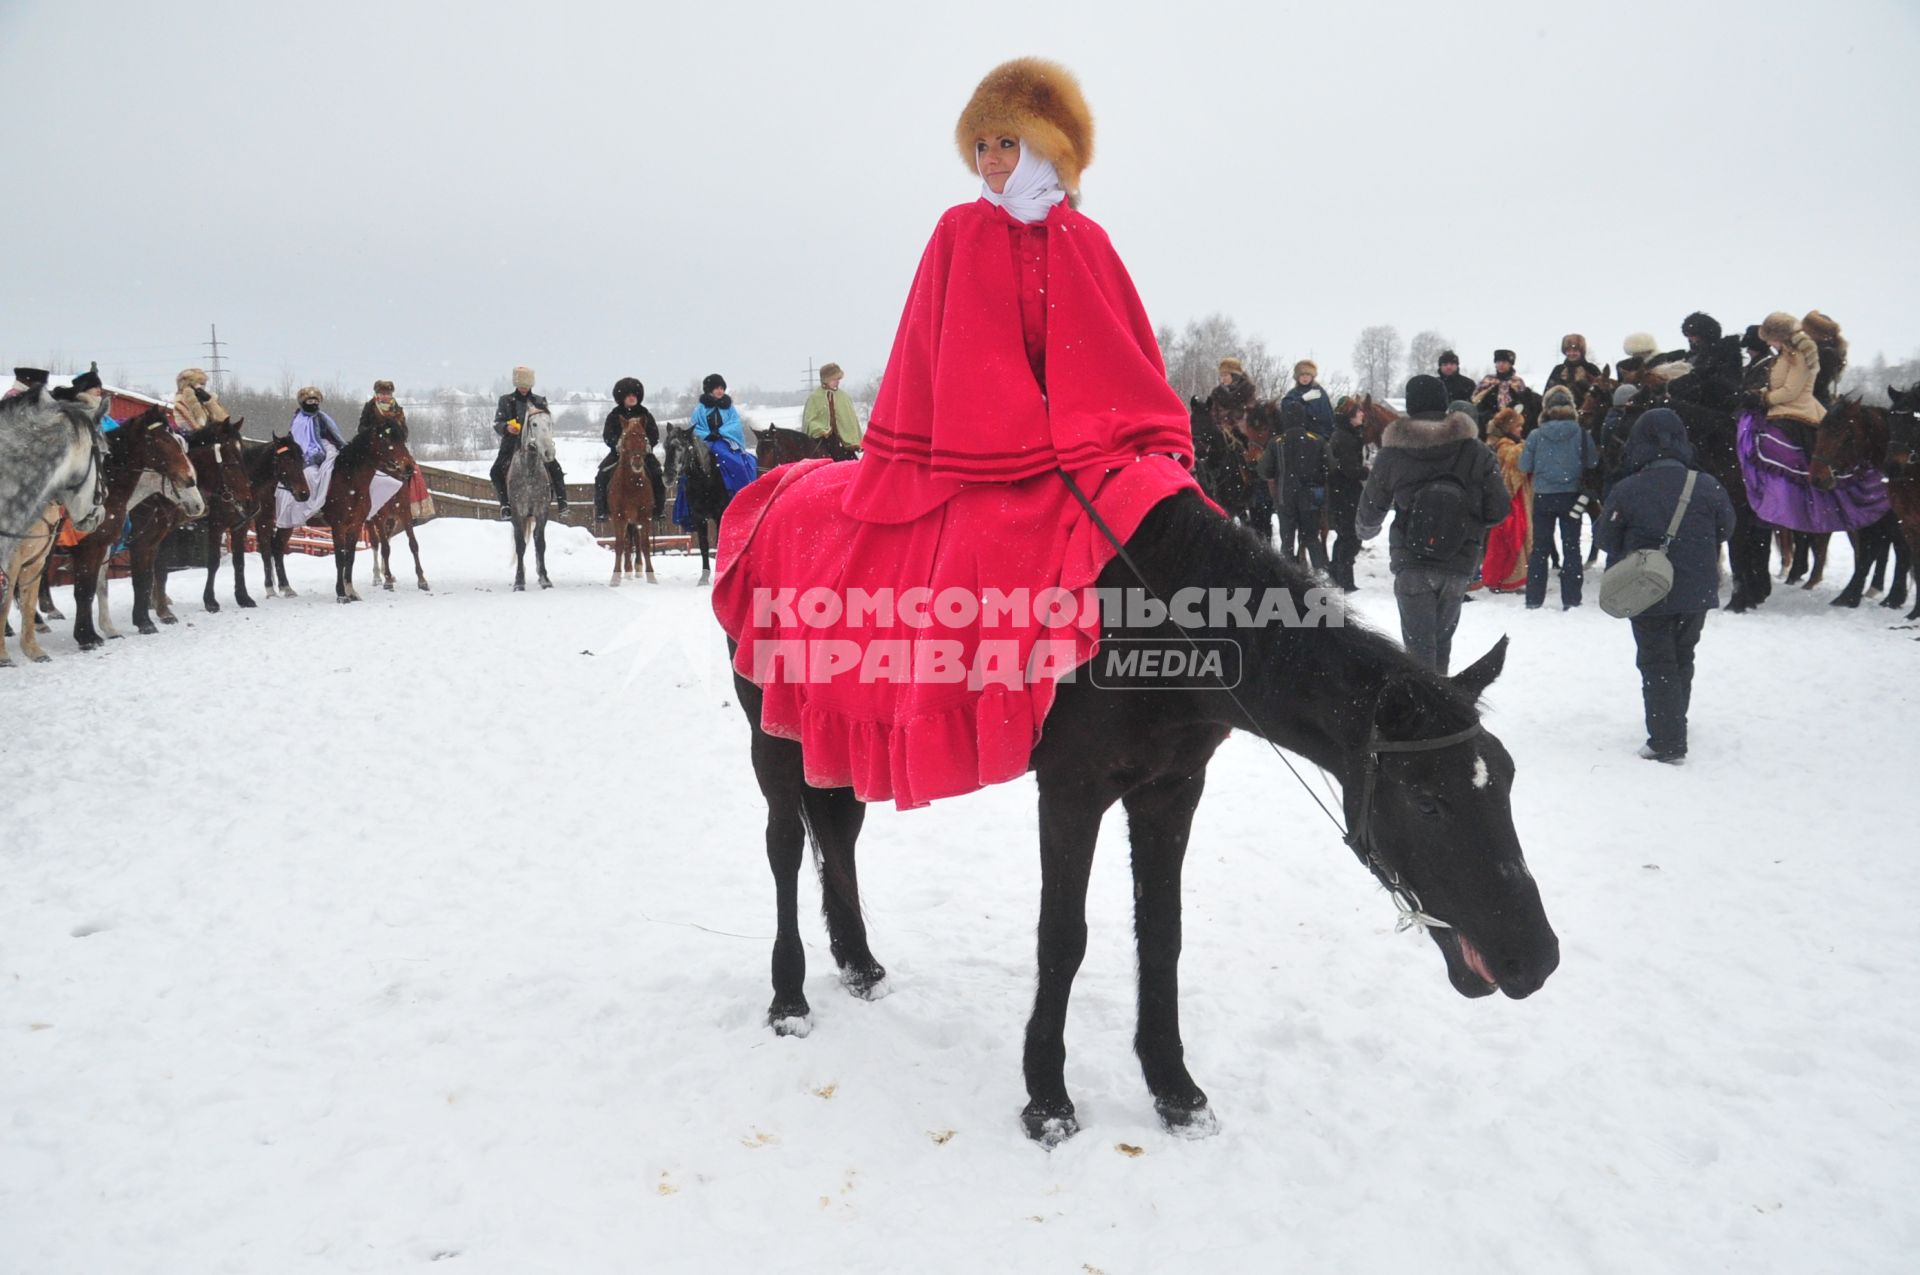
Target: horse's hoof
94 645
790 1020
1049 1125
706 577
213 608
868 982
41 659
1184 1120
545 583
146 626
343 599
168 619
287 592
41 626
1846 600
519 588
54 613
388 586
652 578
425 588
246 603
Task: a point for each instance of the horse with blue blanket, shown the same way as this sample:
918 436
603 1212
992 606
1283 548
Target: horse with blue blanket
711 459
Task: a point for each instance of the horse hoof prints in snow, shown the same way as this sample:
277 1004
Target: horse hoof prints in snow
1425 793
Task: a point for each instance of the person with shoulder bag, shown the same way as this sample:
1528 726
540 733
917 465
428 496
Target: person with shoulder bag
1445 492
1661 530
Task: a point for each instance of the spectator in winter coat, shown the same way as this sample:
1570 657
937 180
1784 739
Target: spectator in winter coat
1346 474
194 404
1573 371
1614 432
313 429
508 416
1636 517
1307 397
381 409
831 415
1499 389
628 396
1295 467
1557 454
1456 385
1789 400
1428 446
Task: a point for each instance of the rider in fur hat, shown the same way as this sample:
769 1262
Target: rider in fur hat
1575 370
1024 348
196 404
508 416
629 396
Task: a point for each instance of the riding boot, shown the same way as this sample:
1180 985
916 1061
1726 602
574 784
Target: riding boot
559 485
600 481
659 482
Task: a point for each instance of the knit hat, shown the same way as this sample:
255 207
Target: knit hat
1446 357
714 381
1426 396
1306 367
1038 102
1702 325
629 385
383 387
828 371
1641 344
523 378
1504 356
1463 406
1625 394
1232 365
1573 341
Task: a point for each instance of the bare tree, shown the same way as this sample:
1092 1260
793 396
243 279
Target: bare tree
1375 353
1423 352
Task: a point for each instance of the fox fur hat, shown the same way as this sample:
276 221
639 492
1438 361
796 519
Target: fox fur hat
306 392
383 386
1305 367
191 376
1506 423
1232 366
1573 341
1038 102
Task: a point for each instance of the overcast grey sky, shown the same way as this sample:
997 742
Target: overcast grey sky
437 191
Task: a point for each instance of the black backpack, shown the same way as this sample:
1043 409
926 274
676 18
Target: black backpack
1441 514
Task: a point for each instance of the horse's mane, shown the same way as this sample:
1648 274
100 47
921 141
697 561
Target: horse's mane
359 448
1183 541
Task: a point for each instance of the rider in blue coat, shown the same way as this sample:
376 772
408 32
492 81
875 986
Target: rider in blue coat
717 423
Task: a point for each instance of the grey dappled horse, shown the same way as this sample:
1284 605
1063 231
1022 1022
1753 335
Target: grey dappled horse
529 491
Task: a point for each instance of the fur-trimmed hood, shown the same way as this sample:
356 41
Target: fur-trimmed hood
1038 102
1779 326
1417 432
1558 404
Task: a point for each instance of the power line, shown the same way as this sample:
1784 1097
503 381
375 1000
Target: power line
217 369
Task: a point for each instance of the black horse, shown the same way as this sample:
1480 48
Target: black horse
1426 800
690 464
1218 465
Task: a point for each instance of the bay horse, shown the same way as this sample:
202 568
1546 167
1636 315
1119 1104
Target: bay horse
143 457
379 449
1425 795
152 521
1852 436
383 526
630 502
236 476
529 492
691 466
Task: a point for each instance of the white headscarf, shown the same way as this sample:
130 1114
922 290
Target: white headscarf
1032 188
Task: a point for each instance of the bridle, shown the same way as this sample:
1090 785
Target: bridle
1359 836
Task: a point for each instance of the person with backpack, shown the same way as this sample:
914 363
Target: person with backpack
1557 454
1445 492
1640 514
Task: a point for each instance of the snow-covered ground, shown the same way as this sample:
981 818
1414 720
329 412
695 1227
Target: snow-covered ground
437 928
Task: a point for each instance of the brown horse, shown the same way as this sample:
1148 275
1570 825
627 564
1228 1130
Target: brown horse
380 449
1903 479
383 526
236 476
782 446
144 447
1855 436
630 502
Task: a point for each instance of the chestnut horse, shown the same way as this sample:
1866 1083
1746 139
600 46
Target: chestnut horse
383 526
630 503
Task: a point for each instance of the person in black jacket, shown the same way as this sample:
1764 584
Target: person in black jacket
1637 515
1346 474
628 395
1431 445
508 416
1457 386
1295 467
1575 370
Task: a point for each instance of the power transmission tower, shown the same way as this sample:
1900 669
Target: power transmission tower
809 382
215 367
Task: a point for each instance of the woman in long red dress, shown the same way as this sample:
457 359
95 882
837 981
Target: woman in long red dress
1504 569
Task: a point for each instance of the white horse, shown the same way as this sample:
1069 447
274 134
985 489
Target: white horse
50 453
529 492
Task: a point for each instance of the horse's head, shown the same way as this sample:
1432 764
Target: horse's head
387 444
1903 429
186 495
1842 440
1427 809
229 454
157 448
1596 400
289 467
634 445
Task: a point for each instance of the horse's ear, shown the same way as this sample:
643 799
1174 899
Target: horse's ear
1479 675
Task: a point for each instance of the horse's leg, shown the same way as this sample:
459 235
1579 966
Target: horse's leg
342 571
1902 563
263 534
351 540
619 519
1818 543
835 816
237 546
162 604
540 550
1868 544
32 573
777 769
282 537
706 572
1069 826
419 575
208 601
142 578
519 554
1159 822
646 547
86 583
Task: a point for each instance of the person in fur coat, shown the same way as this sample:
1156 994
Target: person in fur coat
382 409
196 405
1833 355
1574 370
1789 400
1504 569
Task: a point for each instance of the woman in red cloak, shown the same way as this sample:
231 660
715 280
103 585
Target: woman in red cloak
1023 347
